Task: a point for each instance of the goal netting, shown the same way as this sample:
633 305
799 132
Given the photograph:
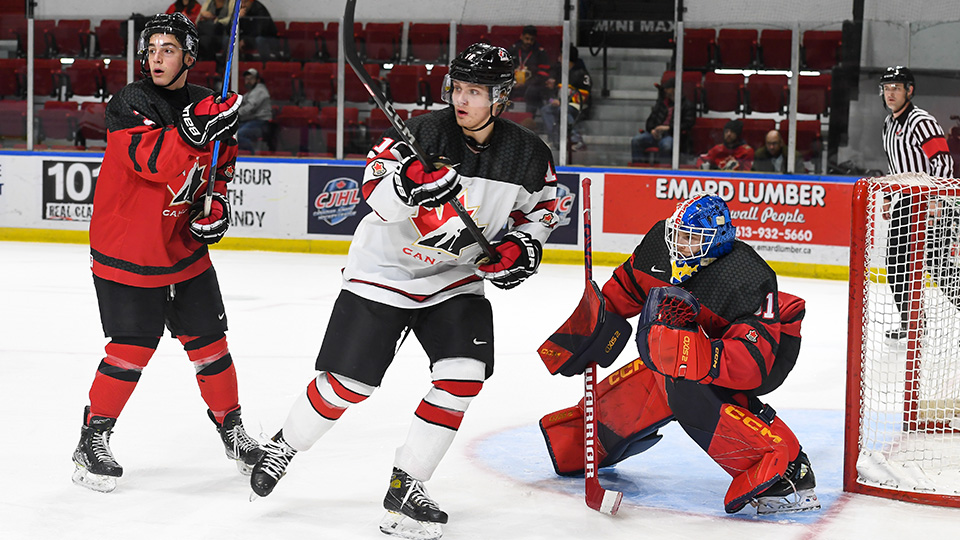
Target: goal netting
903 361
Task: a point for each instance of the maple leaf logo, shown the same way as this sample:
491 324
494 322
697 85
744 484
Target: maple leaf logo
441 229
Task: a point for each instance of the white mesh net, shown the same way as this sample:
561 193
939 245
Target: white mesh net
909 431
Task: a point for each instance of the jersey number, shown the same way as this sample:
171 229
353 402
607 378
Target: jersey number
766 309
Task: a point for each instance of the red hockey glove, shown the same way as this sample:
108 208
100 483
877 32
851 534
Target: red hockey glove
417 187
210 120
210 229
670 341
520 256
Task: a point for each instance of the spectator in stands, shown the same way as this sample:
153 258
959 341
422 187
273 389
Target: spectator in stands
732 154
578 101
531 70
770 157
190 8
659 127
213 25
256 112
257 30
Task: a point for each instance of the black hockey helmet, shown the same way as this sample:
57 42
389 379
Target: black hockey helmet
483 64
176 24
898 74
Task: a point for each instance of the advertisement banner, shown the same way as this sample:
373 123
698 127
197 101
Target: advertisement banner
790 218
335 204
68 189
567 231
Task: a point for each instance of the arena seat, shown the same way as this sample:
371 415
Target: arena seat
821 48
303 40
775 48
737 47
71 38
723 92
428 43
755 130
381 42
698 48
319 82
692 84
814 94
83 78
706 133
111 39
767 93
403 83
468 34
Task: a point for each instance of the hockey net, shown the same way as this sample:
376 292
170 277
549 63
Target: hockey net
902 437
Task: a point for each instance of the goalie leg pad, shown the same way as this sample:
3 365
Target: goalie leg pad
631 406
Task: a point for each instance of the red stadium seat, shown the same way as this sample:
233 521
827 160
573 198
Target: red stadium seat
319 82
737 47
706 133
698 48
775 47
821 48
755 130
111 38
430 92
71 38
293 127
429 42
551 39
46 77
353 89
808 137
57 123
91 124
303 40
403 83
204 73
377 123
282 79
13 119
327 124
84 78
68 105
330 43
42 37
381 42
468 34
505 35
723 92
9 80
814 94
115 76
767 93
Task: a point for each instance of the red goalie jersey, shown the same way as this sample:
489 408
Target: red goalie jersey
149 178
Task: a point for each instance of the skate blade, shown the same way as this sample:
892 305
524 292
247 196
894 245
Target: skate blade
802 501
402 526
96 482
253 496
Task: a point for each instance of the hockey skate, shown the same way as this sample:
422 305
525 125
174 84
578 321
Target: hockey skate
271 466
239 446
793 492
96 467
411 513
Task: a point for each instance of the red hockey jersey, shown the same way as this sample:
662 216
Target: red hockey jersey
139 232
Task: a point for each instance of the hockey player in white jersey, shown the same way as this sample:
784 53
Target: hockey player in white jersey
413 266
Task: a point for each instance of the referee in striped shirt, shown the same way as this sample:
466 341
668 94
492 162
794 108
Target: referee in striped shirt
913 142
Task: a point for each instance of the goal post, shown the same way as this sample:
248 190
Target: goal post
902 429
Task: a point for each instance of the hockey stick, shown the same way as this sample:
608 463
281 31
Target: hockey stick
602 500
208 198
353 58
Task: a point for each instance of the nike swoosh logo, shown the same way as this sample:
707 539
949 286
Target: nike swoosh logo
478 342
220 316
655 270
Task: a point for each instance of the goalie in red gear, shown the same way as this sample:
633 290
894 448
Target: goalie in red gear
714 335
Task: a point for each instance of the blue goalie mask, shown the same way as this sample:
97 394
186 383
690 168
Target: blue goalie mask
698 233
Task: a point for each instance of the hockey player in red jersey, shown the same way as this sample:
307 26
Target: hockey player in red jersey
412 266
714 335
148 244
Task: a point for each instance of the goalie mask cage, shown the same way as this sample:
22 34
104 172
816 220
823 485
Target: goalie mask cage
902 429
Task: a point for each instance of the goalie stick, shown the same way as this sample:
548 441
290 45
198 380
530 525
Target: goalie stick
602 500
208 197
353 58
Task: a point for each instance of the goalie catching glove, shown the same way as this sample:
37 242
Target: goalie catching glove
418 187
210 229
519 256
210 120
670 341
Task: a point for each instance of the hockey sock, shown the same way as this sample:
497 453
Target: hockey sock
118 374
216 374
456 381
318 409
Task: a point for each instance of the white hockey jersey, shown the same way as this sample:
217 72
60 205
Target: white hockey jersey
411 257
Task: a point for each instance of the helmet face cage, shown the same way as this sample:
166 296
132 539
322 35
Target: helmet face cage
177 25
485 65
699 231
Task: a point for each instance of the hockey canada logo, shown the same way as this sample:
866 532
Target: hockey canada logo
752 336
378 168
337 201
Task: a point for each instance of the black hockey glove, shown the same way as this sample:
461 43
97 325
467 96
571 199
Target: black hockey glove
520 256
417 187
210 229
210 120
